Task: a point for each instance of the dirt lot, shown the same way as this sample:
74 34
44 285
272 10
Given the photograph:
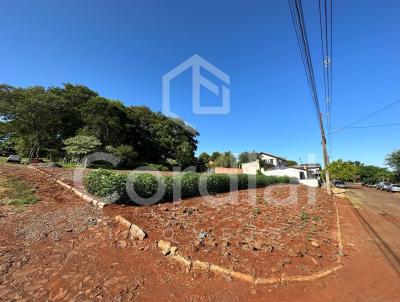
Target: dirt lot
261 232
63 249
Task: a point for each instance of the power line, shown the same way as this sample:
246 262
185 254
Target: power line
374 126
302 40
325 24
368 116
296 11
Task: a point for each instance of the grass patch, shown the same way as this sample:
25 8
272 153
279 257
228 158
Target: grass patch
14 191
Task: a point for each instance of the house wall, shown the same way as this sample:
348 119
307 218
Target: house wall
272 160
251 167
291 172
269 159
223 170
294 175
312 182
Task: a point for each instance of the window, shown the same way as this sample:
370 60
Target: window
302 176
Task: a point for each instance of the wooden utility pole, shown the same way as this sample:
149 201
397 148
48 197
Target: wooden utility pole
325 153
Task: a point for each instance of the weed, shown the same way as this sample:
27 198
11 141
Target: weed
316 218
304 216
256 211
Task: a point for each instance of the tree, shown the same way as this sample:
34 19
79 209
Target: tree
33 116
372 174
125 153
214 156
7 145
343 170
393 161
291 163
80 145
202 162
185 154
38 120
246 157
106 120
226 160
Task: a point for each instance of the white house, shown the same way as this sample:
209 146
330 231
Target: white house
254 166
296 175
272 159
307 174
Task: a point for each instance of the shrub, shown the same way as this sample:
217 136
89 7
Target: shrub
242 181
189 184
145 185
217 183
104 183
169 182
284 179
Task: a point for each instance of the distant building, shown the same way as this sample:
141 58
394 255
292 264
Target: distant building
307 174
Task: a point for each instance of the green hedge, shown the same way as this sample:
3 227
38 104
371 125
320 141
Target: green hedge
145 185
105 183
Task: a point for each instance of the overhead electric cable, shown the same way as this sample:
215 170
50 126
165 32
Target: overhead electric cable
368 116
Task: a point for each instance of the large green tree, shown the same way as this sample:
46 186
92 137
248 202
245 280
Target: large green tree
343 170
246 157
37 119
81 145
32 115
393 161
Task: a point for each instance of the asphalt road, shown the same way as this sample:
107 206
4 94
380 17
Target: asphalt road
379 214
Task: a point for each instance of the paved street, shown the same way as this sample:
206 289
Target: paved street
379 214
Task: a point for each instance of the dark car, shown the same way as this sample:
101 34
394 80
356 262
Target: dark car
14 159
339 184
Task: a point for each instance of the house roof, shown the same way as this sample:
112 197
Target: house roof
308 166
269 154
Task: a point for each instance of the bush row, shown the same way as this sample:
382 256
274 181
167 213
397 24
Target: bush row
147 188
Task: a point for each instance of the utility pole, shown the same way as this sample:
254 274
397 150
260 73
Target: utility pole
325 153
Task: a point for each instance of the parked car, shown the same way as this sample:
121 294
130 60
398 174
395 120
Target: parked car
14 159
394 188
339 184
383 186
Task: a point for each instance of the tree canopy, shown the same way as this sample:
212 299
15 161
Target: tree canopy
393 161
36 119
357 171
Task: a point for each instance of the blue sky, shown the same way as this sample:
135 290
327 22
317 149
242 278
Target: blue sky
122 48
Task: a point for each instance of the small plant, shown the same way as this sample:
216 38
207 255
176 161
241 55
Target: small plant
304 216
256 211
316 218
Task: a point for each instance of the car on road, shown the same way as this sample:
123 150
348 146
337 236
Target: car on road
339 184
383 186
394 188
14 159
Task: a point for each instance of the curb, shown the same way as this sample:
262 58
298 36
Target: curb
81 195
133 229
171 252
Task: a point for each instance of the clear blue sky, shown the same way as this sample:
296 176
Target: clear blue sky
122 48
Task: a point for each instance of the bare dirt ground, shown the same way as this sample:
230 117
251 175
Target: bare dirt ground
266 232
63 249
